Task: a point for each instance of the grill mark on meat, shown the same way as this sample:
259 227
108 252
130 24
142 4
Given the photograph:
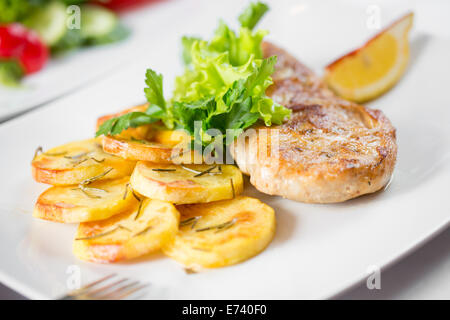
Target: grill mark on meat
303 107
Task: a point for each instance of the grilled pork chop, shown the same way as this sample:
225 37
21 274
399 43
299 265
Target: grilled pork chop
331 150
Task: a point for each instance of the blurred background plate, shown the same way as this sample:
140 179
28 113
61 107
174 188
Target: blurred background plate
68 73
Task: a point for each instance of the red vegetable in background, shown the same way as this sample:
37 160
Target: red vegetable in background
24 46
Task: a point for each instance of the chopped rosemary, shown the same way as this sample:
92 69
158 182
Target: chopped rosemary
135 195
205 172
83 185
195 222
98 161
226 225
51 154
201 173
143 231
191 220
90 180
164 170
219 227
232 188
219 171
204 229
191 170
76 164
125 194
128 186
85 191
37 151
124 228
80 162
103 234
179 154
187 221
139 140
77 156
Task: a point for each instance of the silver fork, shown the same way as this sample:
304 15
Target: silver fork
110 287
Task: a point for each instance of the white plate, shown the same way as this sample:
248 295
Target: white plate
318 250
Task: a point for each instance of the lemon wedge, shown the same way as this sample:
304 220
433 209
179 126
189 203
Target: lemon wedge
371 70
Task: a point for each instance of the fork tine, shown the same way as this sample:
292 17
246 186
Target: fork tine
112 293
104 288
93 283
78 292
118 289
131 291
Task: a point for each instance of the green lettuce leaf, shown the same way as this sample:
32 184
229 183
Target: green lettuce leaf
240 47
186 43
241 105
210 75
252 14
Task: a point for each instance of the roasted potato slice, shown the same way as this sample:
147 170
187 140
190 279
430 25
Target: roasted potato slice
148 143
136 232
138 149
77 161
221 233
97 201
187 184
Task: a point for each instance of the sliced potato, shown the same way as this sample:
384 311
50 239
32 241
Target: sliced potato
170 137
133 149
148 143
77 161
221 233
187 184
124 236
160 146
97 201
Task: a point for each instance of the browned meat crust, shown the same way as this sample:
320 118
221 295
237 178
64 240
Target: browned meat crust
331 150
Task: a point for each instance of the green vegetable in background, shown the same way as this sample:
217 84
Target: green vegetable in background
10 73
223 86
71 40
49 19
16 10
